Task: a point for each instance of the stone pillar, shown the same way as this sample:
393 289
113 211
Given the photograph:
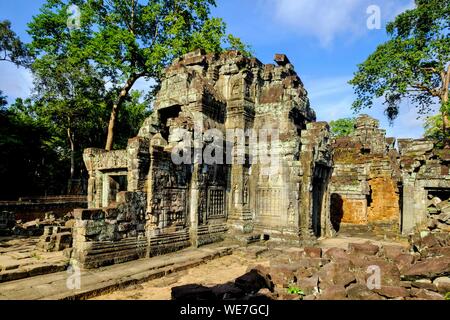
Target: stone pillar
408 210
194 206
91 190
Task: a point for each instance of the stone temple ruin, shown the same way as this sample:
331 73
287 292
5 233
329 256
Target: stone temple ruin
375 185
142 203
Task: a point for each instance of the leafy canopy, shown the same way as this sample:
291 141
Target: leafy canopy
124 40
413 64
342 127
11 47
433 129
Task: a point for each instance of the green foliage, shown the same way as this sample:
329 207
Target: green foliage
3 101
81 73
235 43
11 48
124 40
434 129
30 164
413 64
292 289
447 296
342 127
135 111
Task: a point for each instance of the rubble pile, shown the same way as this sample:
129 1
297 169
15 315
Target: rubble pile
36 227
420 272
438 214
55 238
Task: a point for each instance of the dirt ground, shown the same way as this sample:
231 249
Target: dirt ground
215 272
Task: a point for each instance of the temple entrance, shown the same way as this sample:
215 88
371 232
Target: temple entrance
319 186
336 211
113 183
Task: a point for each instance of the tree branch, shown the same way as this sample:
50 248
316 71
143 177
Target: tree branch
432 91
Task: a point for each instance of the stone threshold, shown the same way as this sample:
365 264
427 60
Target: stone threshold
95 282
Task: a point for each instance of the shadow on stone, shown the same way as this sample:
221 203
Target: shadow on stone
253 285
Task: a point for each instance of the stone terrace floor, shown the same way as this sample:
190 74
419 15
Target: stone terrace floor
61 285
19 259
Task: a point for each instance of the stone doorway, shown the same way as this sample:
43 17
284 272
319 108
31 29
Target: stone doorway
113 183
321 174
336 211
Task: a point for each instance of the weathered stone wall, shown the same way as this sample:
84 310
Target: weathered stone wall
365 178
113 234
385 200
425 174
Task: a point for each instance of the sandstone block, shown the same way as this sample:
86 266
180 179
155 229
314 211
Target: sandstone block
363 248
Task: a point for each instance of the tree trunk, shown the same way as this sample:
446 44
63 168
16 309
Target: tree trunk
116 107
71 137
444 101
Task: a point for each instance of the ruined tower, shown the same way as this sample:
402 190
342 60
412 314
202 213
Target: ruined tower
143 201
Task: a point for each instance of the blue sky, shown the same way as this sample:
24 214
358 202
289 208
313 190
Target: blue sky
324 39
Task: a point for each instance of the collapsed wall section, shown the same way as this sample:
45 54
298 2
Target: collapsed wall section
426 185
366 178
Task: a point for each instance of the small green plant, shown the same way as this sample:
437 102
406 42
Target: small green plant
447 296
295 290
36 256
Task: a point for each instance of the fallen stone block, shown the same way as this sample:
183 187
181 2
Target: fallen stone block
228 291
313 252
361 292
363 248
426 294
392 292
89 214
392 252
253 281
434 201
442 284
430 268
334 292
308 285
192 292
404 261
424 284
444 207
334 253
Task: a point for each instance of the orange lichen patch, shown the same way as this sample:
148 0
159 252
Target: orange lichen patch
385 200
354 211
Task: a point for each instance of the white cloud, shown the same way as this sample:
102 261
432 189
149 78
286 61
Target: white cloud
15 82
332 98
325 87
328 19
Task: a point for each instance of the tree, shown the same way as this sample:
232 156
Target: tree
3 101
70 98
414 63
70 94
137 40
30 163
433 130
125 40
342 127
11 48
